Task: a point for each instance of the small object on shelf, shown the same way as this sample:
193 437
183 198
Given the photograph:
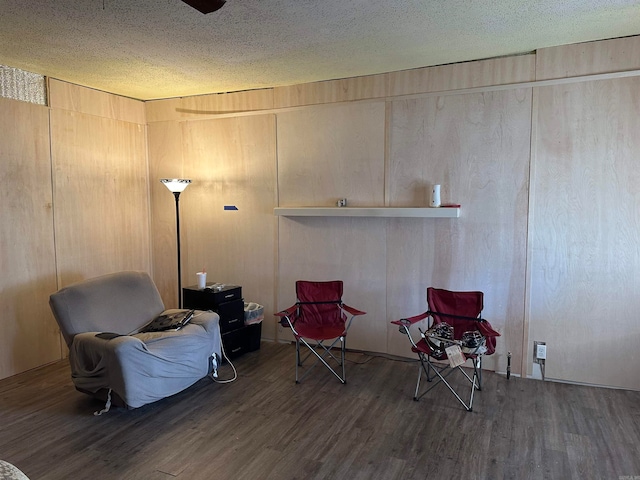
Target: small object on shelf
435 196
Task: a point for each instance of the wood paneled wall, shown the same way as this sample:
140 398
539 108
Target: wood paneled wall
448 78
384 139
78 207
101 196
586 230
477 147
326 153
27 259
591 58
231 162
100 183
545 174
375 141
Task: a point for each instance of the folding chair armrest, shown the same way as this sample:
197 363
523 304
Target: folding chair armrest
487 330
410 320
287 316
352 311
287 312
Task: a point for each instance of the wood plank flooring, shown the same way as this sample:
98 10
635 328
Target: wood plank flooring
264 426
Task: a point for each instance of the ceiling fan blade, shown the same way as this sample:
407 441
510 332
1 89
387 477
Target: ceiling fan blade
205 6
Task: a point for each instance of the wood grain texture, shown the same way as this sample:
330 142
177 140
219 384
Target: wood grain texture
330 152
232 162
586 231
67 96
588 58
162 110
265 426
326 153
331 91
100 191
477 147
27 258
202 107
232 102
164 144
496 71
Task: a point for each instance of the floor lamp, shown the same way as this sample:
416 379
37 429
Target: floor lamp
177 186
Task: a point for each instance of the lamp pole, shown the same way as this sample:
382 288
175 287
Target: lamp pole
177 186
177 195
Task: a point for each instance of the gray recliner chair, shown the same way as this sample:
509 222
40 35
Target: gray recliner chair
101 319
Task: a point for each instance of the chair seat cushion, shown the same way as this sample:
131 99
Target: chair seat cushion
320 332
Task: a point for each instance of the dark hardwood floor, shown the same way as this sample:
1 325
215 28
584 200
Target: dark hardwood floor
264 426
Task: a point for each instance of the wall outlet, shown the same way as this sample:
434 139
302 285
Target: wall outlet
539 352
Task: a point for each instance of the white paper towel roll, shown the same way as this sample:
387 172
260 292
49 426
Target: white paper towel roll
435 196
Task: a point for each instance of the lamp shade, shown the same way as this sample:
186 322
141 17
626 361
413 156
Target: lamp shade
176 185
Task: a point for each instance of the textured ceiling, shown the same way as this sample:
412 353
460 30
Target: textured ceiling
149 49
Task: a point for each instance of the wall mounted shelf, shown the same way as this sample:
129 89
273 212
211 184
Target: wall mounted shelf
406 212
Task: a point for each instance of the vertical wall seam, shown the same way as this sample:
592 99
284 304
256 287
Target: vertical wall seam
61 344
524 364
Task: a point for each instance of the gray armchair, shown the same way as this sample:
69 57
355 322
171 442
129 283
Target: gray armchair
110 358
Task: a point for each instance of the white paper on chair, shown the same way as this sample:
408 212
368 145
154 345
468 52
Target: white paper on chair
455 355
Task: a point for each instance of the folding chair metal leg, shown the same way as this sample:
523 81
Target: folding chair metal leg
415 395
320 358
343 340
426 365
297 359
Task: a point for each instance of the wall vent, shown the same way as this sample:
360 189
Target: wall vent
20 85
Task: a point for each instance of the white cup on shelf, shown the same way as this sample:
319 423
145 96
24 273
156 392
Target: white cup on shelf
202 280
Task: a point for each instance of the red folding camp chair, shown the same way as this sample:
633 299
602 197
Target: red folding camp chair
319 316
457 333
